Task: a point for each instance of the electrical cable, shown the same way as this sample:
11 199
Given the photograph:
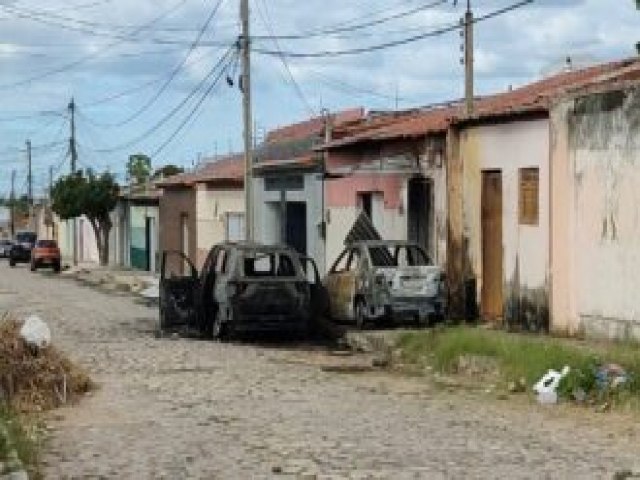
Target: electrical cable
87 58
172 112
391 44
172 74
266 19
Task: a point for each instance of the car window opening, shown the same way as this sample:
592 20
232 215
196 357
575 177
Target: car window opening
268 265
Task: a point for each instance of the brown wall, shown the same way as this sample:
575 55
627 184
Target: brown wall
174 203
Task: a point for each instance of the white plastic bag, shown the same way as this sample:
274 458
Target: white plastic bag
35 332
548 384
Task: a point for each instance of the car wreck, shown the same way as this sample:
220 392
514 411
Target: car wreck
375 281
243 287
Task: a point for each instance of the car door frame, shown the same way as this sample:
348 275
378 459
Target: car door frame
180 292
319 299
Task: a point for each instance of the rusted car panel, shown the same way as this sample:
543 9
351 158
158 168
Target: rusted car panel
242 287
385 280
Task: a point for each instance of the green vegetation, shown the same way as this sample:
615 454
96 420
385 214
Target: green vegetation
95 196
525 357
15 438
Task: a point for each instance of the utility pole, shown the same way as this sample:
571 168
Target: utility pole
468 59
13 203
74 161
30 186
49 214
245 85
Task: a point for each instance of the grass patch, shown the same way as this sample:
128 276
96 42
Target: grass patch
16 437
524 356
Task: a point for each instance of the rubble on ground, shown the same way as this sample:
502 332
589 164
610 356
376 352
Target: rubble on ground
36 379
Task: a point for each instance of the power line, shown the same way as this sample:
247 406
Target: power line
87 58
173 112
172 74
396 43
266 19
361 26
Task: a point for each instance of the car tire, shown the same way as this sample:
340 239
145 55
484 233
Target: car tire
12 262
360 314
34 267
56 267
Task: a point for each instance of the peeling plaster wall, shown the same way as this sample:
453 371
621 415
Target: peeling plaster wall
175 202
507 148
596 255
212 207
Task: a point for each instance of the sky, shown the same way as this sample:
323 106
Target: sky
159 76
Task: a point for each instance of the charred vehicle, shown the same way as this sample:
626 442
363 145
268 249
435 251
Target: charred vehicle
243 287
376 281
20 251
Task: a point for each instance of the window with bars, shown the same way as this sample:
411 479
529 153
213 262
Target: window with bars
528 202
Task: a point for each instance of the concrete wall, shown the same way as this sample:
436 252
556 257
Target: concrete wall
267 214
174 203
507 148
596 215
212 207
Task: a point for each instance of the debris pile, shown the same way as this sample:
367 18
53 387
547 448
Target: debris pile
34 379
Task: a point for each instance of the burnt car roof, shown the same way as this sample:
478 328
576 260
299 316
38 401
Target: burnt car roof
382 243
258 246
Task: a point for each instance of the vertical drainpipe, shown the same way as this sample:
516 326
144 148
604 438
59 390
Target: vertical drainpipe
550 210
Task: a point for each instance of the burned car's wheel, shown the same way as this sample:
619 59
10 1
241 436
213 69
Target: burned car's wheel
163 319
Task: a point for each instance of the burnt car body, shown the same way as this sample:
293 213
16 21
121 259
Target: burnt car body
243 287
376 281
21 249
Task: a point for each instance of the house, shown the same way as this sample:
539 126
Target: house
288 185
134 236
595 204
390 165
201 208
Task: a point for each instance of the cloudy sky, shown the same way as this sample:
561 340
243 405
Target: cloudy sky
150 75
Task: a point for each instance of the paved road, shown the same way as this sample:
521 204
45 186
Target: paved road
192 409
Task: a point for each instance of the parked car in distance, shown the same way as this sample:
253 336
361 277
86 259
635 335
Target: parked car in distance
376 281
21 249
46 254
5 247
243 287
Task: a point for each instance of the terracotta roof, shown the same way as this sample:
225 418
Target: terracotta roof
311 127
304 161
225 170
533 97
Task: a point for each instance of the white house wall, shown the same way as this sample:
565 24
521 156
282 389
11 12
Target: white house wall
596 252
509 147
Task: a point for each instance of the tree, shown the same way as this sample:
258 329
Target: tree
91 195
166 171
139 168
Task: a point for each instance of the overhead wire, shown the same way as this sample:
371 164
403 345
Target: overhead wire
131 142
266 19
391 44
361 26
172 75
96 54
182 125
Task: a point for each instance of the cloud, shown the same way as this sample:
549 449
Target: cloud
511 49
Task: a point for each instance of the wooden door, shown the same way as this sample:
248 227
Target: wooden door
492 275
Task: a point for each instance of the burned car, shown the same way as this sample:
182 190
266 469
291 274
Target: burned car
377 281
243 287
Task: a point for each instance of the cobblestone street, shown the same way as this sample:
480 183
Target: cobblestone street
183 408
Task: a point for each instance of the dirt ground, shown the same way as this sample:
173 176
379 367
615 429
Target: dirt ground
180 408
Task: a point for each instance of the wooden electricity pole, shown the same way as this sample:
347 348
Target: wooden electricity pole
74 165
468 60
245 85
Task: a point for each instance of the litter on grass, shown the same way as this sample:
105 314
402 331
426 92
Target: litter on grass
36 379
